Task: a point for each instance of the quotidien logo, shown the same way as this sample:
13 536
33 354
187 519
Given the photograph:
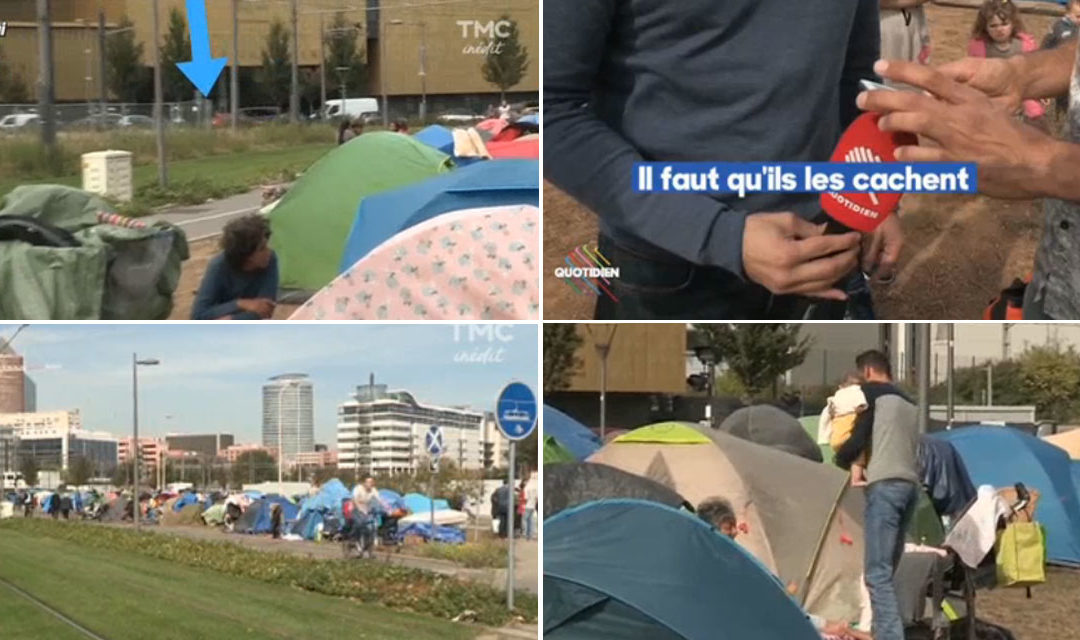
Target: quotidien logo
587 267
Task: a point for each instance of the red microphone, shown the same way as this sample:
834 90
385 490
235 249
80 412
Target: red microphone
863 142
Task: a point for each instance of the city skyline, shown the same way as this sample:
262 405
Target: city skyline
211 376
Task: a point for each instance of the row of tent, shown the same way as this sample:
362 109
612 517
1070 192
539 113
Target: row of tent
391 226
804 524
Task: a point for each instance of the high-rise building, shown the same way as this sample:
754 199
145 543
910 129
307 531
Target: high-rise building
382 430
7 450
21 422
12 382
53 448
206 444
288 410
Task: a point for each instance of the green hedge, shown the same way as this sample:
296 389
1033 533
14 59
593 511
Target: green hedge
391 586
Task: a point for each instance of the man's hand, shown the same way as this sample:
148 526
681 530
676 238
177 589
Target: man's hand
263 307
881 249
998 78
788 255
1013 158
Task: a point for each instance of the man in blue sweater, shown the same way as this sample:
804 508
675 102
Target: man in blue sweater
241 282
702 81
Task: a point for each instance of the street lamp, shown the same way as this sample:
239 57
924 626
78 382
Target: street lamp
707 355
135 364
423 64
342 79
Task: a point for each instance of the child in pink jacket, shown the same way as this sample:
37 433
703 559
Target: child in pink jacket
999 33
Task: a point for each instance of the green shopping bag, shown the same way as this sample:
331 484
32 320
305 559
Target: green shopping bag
1021 555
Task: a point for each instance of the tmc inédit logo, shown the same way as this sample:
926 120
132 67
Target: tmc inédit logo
486 33
587 266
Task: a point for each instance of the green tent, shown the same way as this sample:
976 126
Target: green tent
313 220
555 452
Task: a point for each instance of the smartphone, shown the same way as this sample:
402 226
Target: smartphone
870 85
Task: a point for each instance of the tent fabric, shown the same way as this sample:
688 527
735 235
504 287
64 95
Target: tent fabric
184 500
437 137
215 515
575 437
678 574
479 264
810 426
555 453
446 535
256 518
311 222
443 517
575 483
419 503
1068 440
803 518
117 272
392 498
484 184
945 476
664 433
527 147
1001 457
773 427
327 500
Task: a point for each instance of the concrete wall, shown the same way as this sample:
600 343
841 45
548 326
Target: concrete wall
643 358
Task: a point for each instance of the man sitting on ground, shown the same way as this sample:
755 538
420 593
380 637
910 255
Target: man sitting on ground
720 514
241 282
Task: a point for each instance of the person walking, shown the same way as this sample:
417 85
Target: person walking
888 431
530 506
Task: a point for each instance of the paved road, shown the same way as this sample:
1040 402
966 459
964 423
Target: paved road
208 219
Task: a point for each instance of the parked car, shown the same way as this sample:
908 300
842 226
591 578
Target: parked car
138 122
17 122
97 121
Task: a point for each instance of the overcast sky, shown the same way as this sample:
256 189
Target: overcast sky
211 375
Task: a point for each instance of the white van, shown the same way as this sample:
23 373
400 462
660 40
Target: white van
349 108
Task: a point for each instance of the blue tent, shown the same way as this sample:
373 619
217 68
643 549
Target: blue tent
484 184
327 500
418 503
637 569
447 535
532 118
571 434
392 498
184 500
437 136
1002 457
256 518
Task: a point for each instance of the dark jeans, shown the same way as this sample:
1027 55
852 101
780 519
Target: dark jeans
650 287
890 505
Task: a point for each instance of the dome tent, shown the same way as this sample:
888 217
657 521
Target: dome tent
650 571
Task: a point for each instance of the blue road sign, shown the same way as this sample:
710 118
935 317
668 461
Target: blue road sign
433 441
515 412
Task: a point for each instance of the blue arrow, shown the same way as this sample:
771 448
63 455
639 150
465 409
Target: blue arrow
203 71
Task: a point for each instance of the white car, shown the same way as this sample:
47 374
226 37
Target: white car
19 121
460 118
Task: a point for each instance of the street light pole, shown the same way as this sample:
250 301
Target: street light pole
234 89
102 45
294 97
382 70
322 62
135 364
423 72
159 116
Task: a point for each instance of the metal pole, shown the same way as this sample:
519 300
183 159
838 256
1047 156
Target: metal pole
423 72
46 90
951 380
923 367
382 70
135 431
294 98
431 495
102 71
989 384
159 116
234 89
510 531
322 63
